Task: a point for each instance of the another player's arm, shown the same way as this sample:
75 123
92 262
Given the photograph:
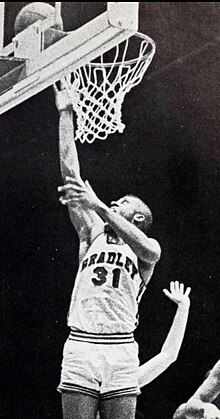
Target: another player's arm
171 347
86 222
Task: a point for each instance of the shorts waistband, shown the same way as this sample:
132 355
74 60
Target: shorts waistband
103 338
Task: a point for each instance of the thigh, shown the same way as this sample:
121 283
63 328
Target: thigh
120 376
79 406
80 368
121 407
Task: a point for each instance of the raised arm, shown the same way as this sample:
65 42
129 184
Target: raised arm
69 162
171 347
86 222
146 249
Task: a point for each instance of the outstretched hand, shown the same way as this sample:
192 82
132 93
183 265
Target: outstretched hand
177 293
75 192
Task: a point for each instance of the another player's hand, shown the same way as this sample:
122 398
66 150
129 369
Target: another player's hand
63 98
178 294
75 192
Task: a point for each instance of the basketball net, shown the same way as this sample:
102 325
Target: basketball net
98 89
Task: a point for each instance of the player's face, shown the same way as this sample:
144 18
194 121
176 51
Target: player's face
125 207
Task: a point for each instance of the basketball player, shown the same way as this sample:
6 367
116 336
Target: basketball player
171 347
116 262
200 405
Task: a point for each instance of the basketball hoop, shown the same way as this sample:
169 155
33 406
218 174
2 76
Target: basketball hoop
98 89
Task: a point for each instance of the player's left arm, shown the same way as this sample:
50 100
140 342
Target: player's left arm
171 347
147 249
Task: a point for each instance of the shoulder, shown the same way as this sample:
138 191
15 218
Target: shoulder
152 252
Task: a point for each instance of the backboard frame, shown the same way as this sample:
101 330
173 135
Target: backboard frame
75 49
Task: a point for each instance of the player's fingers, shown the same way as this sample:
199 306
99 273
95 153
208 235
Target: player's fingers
188 291
68 79
75 85
172 287
71 180
63 201
60 189
182 288
77 188
64 188
63 83
66 201
177 286
67 198
55 88
71 187
167 293
72 195
88 185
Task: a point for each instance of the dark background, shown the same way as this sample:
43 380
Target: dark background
169 156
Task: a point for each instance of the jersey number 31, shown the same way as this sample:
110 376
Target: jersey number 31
101 276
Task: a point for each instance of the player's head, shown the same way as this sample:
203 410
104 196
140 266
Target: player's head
187 412
197 410
134 210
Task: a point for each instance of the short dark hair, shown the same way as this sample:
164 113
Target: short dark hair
143 209
180 412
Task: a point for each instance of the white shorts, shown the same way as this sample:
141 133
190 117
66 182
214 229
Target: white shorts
100 369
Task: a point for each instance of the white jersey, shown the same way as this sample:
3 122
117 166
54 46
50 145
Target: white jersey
107 290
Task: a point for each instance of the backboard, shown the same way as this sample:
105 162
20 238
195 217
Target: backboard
39 56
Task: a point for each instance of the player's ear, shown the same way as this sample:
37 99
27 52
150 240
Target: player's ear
138 218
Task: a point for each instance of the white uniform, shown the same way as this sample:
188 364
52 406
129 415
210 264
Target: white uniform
107 290
104 312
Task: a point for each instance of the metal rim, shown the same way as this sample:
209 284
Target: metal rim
129 62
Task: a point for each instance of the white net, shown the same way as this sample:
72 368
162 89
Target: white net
98 88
